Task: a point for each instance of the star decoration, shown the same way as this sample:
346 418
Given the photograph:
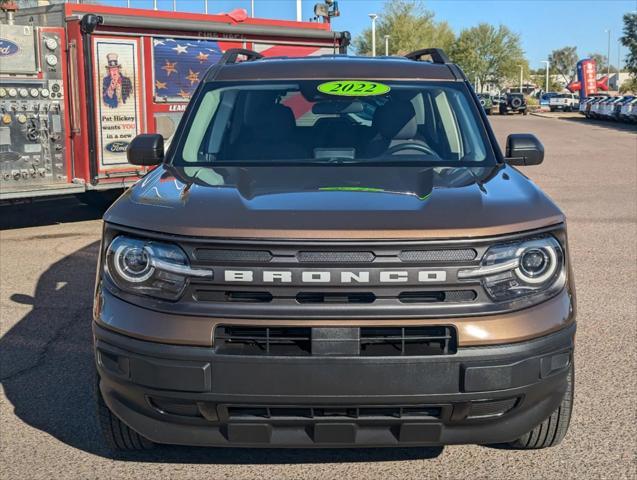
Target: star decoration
157 42
159 85
203 57
193 77
183 94
180 49
169 68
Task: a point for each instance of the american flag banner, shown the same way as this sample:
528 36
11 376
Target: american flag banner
180 64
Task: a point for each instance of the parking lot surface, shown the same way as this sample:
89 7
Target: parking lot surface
47 269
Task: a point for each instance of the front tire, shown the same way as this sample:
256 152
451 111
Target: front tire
552 430
116 434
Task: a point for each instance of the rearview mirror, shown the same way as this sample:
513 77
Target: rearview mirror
524 149
146 149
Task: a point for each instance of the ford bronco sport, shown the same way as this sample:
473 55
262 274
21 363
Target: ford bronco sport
333 251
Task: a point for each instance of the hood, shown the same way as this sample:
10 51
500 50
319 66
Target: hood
392 204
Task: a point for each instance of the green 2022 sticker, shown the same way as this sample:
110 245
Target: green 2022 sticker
353 88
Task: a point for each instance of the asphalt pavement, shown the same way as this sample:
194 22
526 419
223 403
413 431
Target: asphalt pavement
47 268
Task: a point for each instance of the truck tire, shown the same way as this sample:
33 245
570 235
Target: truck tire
516 102
552 430
117 435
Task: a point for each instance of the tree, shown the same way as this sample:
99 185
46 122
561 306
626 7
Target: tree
629 86
629 40
410 27
489 54
564 62
539 78
602 63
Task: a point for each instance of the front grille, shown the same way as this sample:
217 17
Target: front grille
337 297
372 341
335 279
411 412
453 296
459 255
335 257
209 255
332 297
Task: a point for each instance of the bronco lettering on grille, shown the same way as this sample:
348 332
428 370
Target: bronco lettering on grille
318 276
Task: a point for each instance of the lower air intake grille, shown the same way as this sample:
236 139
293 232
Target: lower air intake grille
388 341
289 341
373 341
412 412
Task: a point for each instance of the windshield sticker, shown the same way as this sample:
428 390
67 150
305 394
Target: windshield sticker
353 88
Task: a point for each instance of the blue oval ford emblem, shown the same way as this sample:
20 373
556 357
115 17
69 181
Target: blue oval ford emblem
116 147
8 48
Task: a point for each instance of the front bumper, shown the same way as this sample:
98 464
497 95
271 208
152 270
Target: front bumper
193 396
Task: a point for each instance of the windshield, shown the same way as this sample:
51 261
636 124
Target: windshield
332 122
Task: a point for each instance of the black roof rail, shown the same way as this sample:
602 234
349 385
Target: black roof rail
437 55
230 56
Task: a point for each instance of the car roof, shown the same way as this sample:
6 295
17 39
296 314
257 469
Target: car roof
337 67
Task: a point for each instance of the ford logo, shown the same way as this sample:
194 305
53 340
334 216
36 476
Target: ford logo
8 48
116 147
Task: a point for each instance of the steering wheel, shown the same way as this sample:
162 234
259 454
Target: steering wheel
411 146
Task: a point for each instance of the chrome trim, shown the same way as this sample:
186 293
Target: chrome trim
490 269
181 269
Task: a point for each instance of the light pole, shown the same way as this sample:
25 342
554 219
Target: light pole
521 75
299 11
387 45
608 57
252 8
547 74
373 17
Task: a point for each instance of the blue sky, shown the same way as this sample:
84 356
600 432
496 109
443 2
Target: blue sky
542 24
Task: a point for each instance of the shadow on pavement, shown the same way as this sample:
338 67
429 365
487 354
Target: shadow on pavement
49 211
609 124
47 370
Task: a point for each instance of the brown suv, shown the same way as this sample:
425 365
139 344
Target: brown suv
334 252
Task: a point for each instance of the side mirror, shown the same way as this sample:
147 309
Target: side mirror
524 149
146 149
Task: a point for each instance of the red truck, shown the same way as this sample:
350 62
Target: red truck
79 82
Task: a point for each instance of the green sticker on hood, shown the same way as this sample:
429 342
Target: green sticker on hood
353 88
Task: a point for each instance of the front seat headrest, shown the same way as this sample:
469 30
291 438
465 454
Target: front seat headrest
275 122
396 120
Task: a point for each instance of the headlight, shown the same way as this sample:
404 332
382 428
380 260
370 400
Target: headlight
521 269
149 268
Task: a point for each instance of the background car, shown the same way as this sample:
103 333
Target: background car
628 112
564 101
607 112
584 105
486 100
546 97
619 105
596 106
513 103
